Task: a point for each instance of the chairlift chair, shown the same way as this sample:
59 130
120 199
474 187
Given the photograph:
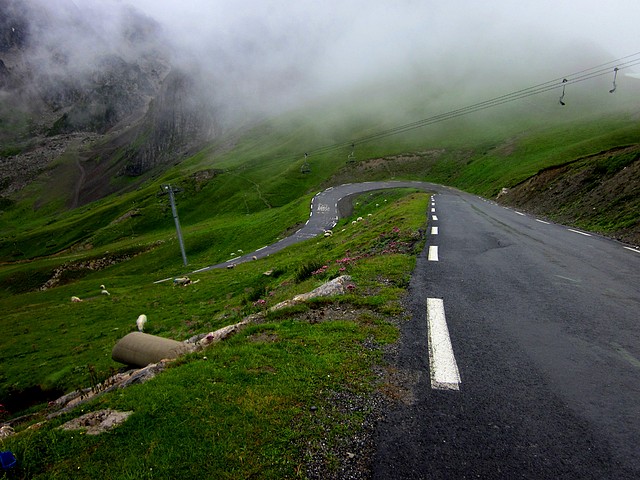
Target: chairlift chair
305 168
351 158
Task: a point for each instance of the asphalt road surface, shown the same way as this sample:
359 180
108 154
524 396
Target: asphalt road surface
536 373
522 355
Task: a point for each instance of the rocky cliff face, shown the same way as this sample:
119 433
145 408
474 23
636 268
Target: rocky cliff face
65 78
175 122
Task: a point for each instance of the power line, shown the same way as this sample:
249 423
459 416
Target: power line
577 77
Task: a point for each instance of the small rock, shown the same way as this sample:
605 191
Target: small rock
97 422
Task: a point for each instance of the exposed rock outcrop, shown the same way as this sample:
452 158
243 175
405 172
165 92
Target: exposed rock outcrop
120 90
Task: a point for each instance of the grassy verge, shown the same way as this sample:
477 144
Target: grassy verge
267 403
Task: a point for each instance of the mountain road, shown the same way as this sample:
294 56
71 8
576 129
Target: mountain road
521 354
537 373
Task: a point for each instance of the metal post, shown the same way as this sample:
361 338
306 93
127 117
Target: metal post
174 210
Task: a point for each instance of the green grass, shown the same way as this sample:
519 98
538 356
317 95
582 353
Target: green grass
246 410
243 412
481 153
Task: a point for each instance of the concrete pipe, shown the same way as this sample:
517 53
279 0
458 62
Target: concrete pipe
140 349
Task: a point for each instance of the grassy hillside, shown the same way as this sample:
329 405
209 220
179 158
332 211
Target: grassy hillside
598 192
246 407
260 170
240 195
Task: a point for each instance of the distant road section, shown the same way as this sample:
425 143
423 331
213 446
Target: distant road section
324 216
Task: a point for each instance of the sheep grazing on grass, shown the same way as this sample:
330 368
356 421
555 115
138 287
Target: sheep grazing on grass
76 299
104 290
142 319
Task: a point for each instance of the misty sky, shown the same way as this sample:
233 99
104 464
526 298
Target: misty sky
332 44
284 51
365 35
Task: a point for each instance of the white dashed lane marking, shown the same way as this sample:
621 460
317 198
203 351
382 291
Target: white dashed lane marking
632 249
434 218
442 362
577 231
433 253
434 230
542 221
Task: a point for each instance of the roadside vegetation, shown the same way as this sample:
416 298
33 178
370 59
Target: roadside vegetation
282 398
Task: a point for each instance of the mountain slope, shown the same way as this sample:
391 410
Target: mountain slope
600 192
117 107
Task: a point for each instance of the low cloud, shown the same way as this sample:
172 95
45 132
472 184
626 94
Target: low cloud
262 56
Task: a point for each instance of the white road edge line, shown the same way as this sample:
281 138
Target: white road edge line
632 249
434 218
163 280
519 213
433 253
433 210
434 230
542 221
444 369
577 231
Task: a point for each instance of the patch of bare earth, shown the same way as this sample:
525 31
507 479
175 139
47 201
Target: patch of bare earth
387 167
600 192
19 170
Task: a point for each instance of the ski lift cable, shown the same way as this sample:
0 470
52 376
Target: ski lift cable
470 109
463 111
580 76
454 114
495 101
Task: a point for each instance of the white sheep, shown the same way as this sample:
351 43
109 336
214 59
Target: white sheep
76 299
104 290
142 319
